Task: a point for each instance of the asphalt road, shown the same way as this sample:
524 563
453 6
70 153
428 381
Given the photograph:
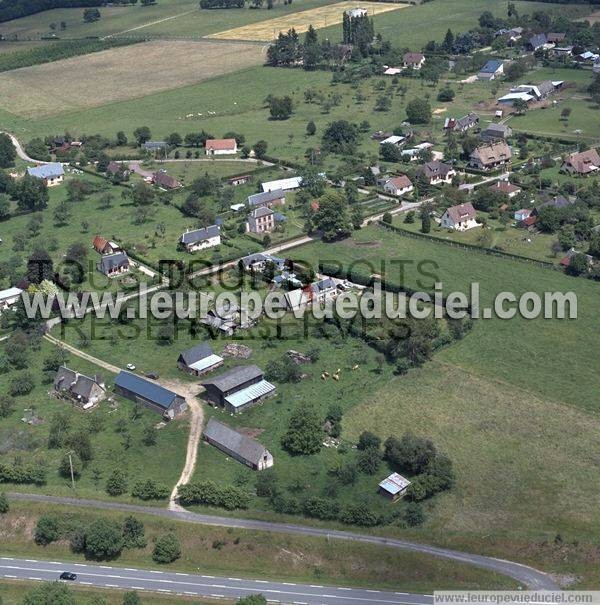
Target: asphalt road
527 576
202 585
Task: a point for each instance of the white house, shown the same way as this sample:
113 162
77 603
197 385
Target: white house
220 147
9 297
460 218
200 239
414 60
52 173
398 185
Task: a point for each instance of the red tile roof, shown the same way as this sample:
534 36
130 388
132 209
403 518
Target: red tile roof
220 144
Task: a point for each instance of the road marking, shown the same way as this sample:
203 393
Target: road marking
78 564
7 576
111 585
235 579
315 586
340 588
183 574
31 560
86 583
288 584
39 579
262 581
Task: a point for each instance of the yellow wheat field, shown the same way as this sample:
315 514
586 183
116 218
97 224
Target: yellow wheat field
323 16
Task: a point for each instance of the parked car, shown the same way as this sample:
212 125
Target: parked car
152 375
68 575
130 366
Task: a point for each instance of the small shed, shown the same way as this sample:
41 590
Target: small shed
394 487
199 360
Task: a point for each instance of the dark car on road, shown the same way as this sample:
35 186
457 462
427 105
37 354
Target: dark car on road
67 575
152 375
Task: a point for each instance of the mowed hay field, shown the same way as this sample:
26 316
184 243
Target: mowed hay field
119 74
323 16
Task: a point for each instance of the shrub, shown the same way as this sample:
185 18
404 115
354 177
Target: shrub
149 490
167 549
116 484
103 540
46 530
4 506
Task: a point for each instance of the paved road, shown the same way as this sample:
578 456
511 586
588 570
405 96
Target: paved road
528 576
202 585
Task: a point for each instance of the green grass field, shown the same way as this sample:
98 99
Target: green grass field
29 442
250 553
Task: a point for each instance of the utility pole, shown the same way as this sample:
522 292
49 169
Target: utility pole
72 475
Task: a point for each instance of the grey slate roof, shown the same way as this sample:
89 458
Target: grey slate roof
491 67
46 171
245 447
265 197
538 40
261 211
200 351
235 377
109 261
191 237
144 388
77 384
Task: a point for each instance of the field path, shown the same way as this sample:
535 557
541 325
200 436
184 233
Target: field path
20 151
189 391
126 31
79 353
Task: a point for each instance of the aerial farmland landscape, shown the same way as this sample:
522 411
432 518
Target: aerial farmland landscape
299 302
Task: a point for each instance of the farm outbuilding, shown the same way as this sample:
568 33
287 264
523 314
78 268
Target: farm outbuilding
394 487
150 395
242 448
199 360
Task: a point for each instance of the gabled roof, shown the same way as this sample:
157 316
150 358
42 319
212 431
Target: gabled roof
434 169
164 179
148 390
505 187
491 67
261 211
235 378
291 183
196 353
265 197
220 144
77 384
198 235
99 243
323 285
245 447
584 162
493 152
10 293
261 257
394 484
155 144
497 128
557 201
46 171
556 36
110 261
413 58
400 182
538 40
462 212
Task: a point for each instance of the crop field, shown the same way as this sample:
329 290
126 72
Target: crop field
317 17
119 74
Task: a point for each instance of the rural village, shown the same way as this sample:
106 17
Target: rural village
310 149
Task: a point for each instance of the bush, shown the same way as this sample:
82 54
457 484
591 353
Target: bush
133 533
46 530
150 490
21 385
4 506
167 549
210 494
103 540
369 460
368 440
116 484
413 514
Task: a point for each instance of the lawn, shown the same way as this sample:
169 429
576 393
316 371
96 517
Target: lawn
116 438
507 239
154 239
551 358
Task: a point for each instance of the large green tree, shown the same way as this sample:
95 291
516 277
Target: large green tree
305 431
